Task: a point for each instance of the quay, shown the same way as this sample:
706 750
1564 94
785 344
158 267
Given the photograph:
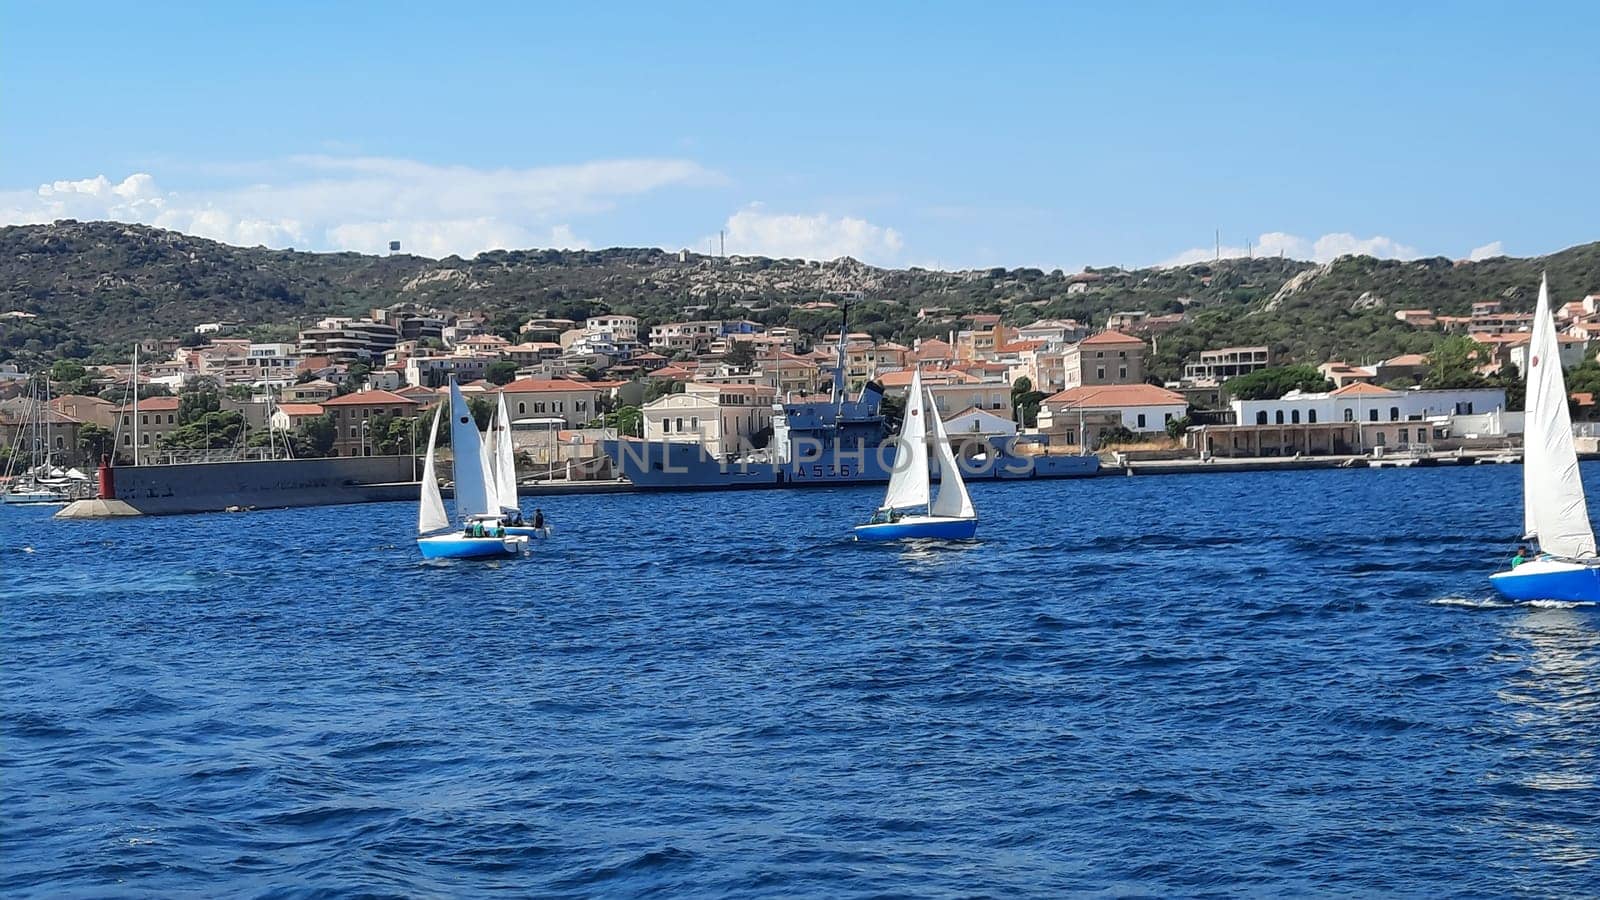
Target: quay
261 484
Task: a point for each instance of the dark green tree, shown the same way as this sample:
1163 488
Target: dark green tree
316 436
95 441
501 371
1454 363
1270 384
1025 402
1176 428
192 404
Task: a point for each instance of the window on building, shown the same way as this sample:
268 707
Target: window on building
1394 413
144 419
1405 435
1141 420
127 440
1168 418
144 439
1261 417
1372 415
60 442
170 418
1278 417
1294 416
1311 416
1123 372
1349 415
680 425
1100 373
522 408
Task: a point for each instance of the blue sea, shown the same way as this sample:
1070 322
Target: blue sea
1268 684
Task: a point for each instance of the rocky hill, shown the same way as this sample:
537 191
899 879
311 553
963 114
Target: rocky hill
96 286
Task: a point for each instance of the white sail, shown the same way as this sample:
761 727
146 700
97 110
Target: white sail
1554 509
486 458
953 499
908 482
505 464
430 511
472 499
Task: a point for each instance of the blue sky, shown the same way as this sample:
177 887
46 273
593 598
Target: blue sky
956 135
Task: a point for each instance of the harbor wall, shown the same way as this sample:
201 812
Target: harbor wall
264 484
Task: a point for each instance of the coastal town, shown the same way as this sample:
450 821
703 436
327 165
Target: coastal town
357 386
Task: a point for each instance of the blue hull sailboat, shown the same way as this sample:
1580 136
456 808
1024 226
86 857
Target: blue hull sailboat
1554 511
472 499
908 510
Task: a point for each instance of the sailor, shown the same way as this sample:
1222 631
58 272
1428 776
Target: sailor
538 518
1520 558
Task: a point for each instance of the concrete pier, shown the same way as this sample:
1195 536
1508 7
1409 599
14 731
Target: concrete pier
97 509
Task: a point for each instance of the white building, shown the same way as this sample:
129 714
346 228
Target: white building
721 417
621 328
1141 408
974 421
1367 403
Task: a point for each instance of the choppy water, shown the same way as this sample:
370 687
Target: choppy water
1269 683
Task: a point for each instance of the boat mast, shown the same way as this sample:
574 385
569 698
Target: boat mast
136 402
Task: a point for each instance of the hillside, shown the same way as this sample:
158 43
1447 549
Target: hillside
96 286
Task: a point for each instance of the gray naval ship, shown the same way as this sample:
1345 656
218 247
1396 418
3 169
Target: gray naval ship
836 441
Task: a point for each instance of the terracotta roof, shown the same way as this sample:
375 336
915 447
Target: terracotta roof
1116 396
543 385
902 378
300 409
1111 337
157 404
369 398
974 409
1020 346
1407 359
1362 388
79 399
724 388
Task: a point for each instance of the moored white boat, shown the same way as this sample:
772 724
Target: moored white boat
1554 510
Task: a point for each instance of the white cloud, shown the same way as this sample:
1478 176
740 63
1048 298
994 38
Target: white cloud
1487 251
1322 249
754 231
362 203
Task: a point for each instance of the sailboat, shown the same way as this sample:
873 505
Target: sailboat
908 510
1554 510
473 502
501 465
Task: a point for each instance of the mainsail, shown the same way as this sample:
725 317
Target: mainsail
953 499
505 465
908 482
1554 509
430 512
472 497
